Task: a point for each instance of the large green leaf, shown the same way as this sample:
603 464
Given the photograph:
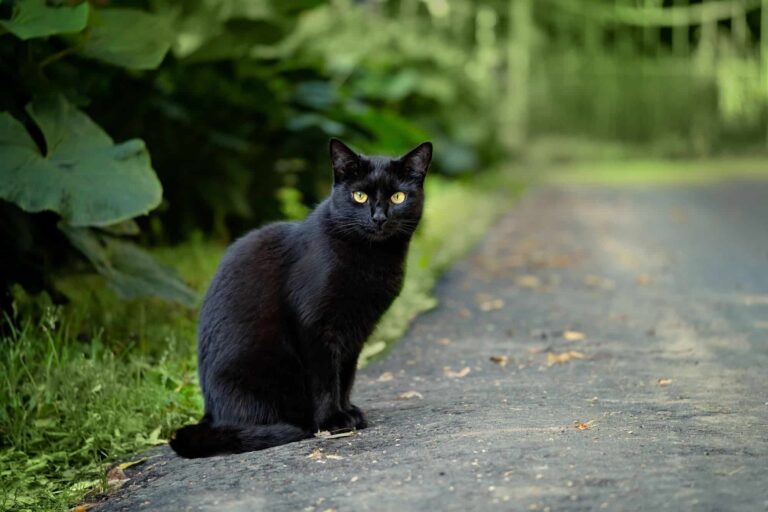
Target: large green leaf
84 176
129 270
37 18
238 39
128 37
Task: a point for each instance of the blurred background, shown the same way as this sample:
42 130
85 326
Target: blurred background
137 138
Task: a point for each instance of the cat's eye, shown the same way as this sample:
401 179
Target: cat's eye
359 197
398 197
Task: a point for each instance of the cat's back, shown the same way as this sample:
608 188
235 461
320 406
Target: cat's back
250 272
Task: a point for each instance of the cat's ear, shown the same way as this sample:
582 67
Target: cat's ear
343 159
417 160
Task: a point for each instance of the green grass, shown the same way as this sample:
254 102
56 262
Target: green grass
644 171
101 378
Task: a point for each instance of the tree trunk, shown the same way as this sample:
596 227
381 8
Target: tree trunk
680 35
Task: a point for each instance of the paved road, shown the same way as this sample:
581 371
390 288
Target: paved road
663 405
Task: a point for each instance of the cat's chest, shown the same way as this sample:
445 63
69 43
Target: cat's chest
344 290
365 281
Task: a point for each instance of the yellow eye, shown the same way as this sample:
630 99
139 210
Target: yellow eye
359 197
398 197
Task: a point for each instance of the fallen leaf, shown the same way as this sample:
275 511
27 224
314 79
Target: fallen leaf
386 377
116 473
664 382
126 465
643 280
573 336
564 357
599 282
583 426
334 457
753 300
354 478
317 454
324 434
528 281
456 375
500 360
116 478
491 305
410 394
443 341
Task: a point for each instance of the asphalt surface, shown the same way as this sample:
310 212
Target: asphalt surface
634 323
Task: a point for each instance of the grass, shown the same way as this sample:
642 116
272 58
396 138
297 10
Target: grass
645 171
101 378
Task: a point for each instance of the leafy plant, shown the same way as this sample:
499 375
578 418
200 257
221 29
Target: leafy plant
55 158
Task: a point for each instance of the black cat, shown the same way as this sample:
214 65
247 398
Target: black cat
291 305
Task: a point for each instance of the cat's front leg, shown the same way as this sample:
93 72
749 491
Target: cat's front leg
346 381
324 372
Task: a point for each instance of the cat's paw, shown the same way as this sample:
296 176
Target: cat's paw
340 421
357 416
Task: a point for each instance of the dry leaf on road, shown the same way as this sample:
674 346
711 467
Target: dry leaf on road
602 283
410 394
664 382
564 357
116 478
583 426
573 336
456 375
317 454
325 434
643 280
500 360
386 377
126 465
528 281
491 305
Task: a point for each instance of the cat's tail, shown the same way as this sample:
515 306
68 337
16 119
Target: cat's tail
205 440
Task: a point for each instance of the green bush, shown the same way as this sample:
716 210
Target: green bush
235 101
57 160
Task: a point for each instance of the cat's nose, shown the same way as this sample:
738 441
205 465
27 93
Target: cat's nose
379 218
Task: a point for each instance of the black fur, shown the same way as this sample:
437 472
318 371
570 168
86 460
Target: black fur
291 305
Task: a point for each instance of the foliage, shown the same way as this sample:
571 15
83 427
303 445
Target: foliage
235 100
55 158
70 405
69 178
648 171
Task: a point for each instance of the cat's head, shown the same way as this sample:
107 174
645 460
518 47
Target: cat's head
374 197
